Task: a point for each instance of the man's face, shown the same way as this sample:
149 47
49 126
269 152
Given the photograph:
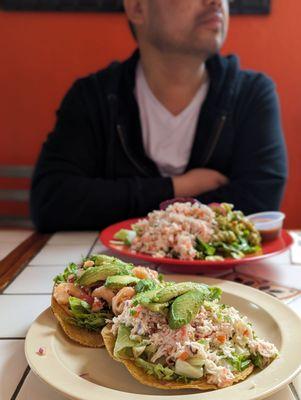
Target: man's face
186 26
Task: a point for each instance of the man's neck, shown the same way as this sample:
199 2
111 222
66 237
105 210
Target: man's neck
174 79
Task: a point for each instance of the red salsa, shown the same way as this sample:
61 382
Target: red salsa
268 234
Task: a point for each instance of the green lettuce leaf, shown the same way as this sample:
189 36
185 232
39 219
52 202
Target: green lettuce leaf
240 362
215 293
205 248
124 345
79 306
84 318
237 249
126 236
70 270
160 372
258 360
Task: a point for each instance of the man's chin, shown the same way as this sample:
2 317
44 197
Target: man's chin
199 47
204 51
210 45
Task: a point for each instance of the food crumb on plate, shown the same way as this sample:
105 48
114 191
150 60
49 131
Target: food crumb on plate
41 351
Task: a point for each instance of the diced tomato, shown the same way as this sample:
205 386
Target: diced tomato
184 356
246 332
97 305
87 298
183 331
221 338
217 206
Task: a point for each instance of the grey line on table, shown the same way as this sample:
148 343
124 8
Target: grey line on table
46 266
294 391
93 245
20 384
26 294
12 338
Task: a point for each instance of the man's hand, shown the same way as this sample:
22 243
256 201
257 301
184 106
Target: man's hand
198 181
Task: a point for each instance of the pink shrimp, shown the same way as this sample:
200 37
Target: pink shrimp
63 291
118 300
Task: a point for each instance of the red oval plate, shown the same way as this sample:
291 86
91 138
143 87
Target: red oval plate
268 249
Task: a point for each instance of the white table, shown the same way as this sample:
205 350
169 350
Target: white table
29 294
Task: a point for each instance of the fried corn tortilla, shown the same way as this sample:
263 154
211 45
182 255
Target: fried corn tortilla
150 380
83 336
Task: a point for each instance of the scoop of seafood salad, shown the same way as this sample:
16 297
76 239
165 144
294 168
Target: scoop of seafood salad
95 290
183 332
193 231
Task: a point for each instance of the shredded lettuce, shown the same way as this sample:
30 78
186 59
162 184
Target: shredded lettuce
124 344
79 306
84 318
204 248
239 362
215 293
237 249
160 372
70 270
258 360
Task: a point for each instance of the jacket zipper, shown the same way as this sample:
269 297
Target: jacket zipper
128 154
113 102
217 133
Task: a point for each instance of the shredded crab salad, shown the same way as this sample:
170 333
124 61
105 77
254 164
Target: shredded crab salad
193 231
215 344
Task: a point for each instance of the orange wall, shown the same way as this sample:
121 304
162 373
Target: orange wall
43 53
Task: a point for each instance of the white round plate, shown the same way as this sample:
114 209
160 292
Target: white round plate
90 374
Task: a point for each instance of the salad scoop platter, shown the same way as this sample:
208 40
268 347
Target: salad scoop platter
269 249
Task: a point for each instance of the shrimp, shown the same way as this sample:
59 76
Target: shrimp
145 273
63 291
88 263
104 293
118 300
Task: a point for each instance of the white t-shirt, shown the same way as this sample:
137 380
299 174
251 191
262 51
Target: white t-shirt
167 138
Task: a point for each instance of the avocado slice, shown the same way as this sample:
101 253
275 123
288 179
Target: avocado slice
100 259
126 236
170 292
144 298
100 273
185 308
120 281
157 307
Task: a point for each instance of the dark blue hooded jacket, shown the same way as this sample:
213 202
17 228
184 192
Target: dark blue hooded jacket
93 170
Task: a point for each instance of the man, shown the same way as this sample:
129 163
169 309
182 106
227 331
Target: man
174 120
